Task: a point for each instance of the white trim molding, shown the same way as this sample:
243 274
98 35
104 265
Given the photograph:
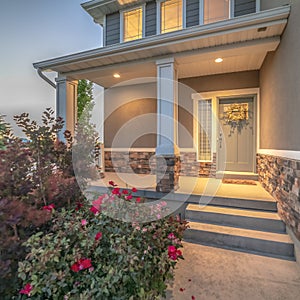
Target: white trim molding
258 5
183 14
143 7
215 95
231 9
158 15
281 153
104 32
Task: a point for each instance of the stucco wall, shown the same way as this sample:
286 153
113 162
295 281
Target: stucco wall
130 110
280 90
130 116
230 81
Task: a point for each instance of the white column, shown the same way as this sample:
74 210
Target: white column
66 103
167 108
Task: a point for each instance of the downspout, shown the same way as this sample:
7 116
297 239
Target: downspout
43 76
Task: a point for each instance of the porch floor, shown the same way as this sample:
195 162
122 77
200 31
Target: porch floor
189 185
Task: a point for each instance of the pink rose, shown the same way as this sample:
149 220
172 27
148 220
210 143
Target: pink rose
171 236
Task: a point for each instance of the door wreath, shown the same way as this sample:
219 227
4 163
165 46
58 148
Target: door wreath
236 115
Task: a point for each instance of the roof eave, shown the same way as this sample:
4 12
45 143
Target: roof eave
97 9
239 22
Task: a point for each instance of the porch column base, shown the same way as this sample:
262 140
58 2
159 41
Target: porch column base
167 173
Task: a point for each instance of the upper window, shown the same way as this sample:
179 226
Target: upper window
215 10
133 24
171 15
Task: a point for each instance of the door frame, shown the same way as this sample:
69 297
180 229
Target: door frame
215 96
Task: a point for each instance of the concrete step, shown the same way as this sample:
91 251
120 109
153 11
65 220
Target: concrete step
242 218
257 204
265 243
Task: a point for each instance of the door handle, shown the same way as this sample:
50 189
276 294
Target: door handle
220 139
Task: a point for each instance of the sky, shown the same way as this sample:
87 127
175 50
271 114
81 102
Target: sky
33 31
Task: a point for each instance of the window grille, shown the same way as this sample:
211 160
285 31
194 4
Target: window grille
171 15
204 129
133 24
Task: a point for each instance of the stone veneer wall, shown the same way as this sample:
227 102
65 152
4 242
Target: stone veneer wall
126 162
168 170
191 167
281 178
143 162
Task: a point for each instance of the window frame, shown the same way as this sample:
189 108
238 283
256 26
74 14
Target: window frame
201 13
197 123
158 16
143 7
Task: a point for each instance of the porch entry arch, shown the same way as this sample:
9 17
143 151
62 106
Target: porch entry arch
233 142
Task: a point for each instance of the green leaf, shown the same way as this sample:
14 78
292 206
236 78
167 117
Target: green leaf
22 275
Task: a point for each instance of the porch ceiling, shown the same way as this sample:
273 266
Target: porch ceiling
242 42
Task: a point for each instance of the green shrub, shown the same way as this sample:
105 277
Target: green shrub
90 255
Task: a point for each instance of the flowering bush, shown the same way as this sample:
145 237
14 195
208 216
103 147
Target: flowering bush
90 255
33 175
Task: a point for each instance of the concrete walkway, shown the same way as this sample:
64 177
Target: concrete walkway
209 273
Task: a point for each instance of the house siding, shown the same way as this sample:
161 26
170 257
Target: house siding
192 13
112 29
150 19
244 7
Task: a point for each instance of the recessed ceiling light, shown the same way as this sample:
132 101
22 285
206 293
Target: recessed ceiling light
116 75
218 60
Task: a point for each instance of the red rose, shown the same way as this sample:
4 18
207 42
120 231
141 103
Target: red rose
78 206
94 210
82 264
98 236
26 289
112 183
85 263
49 207
129 197
75 268
172 249
116 191
125 192
134 190
173 253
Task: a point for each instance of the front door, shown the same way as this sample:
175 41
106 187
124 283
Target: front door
236 134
